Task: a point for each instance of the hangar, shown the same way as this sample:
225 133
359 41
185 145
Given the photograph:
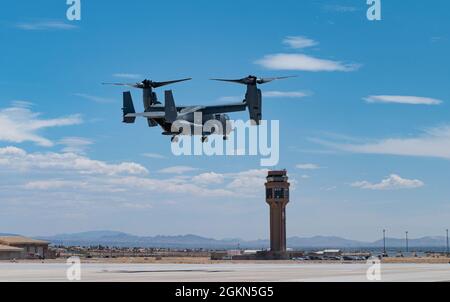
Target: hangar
9 252
17 247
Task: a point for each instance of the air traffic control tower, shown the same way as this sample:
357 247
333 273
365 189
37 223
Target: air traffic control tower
277 196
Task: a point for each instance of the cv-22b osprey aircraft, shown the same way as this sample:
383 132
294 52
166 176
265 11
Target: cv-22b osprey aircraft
165 116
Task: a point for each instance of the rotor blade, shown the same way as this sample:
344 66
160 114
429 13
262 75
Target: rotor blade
267 80
240 81
160 84
122 84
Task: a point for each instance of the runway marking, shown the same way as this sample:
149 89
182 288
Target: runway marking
169 271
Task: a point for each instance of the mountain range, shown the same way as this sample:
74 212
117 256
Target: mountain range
119 239
7 234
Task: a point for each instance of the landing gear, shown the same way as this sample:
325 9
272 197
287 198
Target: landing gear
204 139
174 139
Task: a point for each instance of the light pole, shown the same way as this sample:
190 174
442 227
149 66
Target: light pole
407 241
447 245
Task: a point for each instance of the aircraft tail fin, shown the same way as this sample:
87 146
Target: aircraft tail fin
128 108
170 108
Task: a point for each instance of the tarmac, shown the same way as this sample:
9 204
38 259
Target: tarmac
242 272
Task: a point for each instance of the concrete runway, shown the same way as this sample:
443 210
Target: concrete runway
296 272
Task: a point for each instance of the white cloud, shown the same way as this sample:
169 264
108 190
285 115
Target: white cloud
299 42
53 184
137 206
154 155
133 76
302 62
45 25
177 170
169 186
18 124
393 182
22 104
67 183
247 181
12 151
15 158
209 178
127 186
93 98
75 144
84 184
434 142
329 189
285 94
307 166
411 100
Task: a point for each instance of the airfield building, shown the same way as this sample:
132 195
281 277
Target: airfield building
16 247
9 252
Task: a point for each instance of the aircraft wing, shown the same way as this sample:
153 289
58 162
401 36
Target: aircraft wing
153 115
214 109
187 110
224 108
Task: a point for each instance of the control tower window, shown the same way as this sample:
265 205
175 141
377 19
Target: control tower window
279 193
269 193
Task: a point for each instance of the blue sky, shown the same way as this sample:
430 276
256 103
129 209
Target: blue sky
367 148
